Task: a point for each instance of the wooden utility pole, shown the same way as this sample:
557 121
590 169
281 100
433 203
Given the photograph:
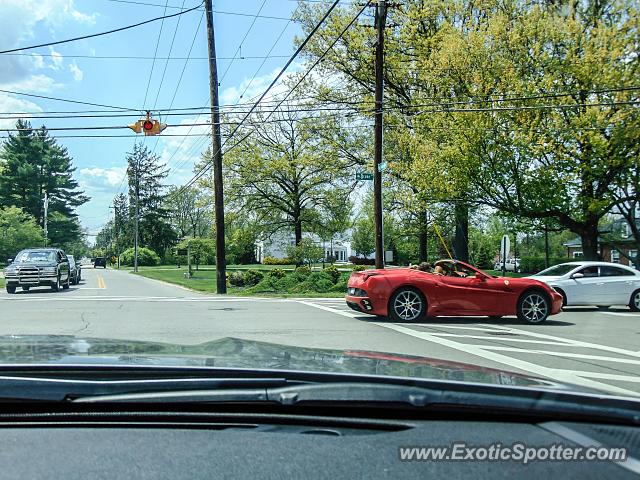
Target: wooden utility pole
216 151
381 18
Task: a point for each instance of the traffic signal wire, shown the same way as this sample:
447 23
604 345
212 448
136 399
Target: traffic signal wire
108 32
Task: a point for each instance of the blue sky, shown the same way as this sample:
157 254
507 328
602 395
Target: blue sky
75 71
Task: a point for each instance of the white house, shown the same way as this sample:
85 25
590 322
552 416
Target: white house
276 246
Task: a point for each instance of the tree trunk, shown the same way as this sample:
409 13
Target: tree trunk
589 237
422 237
298 231
461 240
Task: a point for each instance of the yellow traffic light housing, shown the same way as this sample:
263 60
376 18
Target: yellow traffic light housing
148 126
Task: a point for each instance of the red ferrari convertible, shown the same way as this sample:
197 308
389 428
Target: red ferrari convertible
453 289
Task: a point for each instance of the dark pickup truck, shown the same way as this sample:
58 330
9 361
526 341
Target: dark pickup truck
38 267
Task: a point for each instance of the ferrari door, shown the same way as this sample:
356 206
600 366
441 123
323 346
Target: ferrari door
471 295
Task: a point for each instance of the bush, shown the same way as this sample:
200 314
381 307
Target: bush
361 260
333 272
237 279
277 273
253 277
302 272
146 257
358 268
536 264
276 261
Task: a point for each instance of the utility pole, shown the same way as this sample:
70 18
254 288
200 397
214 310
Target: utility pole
115 230
216 151
381 18
136 240
46 214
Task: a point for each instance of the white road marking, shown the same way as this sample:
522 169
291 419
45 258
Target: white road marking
551 373
561 354
344 313
94 298
501 338
608 376
576 343
622 314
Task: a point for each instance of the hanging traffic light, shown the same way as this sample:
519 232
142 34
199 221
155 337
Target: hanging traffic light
148 126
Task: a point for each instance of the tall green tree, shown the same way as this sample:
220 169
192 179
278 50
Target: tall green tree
146 193
33 164
18 230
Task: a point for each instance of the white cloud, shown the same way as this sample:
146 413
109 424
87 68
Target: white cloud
56 59
78 75
33 83
97 177
12 104
38 61
251 88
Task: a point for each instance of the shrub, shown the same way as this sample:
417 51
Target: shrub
333 272
277 273
302 272
146 257
237 279
358 268
253 277
361 260
276 261
536 264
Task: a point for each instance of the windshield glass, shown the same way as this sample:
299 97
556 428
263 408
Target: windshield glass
312 207
557 270
36 257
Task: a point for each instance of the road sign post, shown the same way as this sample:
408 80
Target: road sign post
505 245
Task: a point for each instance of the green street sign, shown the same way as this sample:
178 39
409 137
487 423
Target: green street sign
364 176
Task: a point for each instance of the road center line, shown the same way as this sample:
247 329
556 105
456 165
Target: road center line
551 373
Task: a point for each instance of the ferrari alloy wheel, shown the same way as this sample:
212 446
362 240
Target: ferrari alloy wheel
634 303
407 305
533 307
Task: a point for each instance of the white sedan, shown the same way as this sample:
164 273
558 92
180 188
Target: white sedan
594 283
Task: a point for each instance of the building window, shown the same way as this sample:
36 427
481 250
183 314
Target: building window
578 254
615 256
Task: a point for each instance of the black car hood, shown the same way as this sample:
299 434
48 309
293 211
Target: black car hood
248 354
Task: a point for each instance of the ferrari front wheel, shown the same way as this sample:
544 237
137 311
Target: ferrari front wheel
407 305
533 307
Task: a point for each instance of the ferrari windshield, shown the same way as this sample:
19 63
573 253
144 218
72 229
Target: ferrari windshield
557 270
392 188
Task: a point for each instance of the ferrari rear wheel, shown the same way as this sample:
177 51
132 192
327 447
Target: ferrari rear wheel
407 305
533 307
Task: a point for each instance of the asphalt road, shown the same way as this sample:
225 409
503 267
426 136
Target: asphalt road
584 346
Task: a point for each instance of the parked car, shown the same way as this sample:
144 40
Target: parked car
38 267
405 294
100 262
601 284
75 269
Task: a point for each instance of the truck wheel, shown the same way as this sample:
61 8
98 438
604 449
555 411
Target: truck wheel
25 289
67 284
11 289
56 286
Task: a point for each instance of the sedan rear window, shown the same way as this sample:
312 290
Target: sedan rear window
614 272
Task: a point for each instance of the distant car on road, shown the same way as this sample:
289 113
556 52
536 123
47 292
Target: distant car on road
75 269
453 289
599 284
37 267
100 262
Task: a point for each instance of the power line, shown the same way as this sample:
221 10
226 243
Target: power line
155 54
134 57
66 100
207 166
84 37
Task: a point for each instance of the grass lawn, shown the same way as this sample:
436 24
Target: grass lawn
205 281
508 274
